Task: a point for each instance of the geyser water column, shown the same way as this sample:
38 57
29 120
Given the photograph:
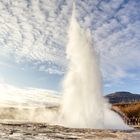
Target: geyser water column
83 104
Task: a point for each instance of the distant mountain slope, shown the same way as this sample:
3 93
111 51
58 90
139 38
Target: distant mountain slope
123 97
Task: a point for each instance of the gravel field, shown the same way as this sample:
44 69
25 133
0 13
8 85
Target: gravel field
41 131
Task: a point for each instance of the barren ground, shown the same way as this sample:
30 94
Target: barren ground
41 131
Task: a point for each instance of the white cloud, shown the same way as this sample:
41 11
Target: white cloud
118 44
35 32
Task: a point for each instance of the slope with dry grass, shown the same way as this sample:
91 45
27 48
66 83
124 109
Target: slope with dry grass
130 110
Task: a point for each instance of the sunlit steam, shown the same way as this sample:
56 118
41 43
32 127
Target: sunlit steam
83 104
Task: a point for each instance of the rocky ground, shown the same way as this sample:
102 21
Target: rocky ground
38 131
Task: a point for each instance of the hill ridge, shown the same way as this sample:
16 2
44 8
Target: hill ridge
122 97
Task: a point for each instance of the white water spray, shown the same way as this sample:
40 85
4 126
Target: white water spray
83 104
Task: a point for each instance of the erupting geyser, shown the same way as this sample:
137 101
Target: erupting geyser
83 104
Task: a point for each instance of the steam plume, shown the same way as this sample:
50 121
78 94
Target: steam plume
83 104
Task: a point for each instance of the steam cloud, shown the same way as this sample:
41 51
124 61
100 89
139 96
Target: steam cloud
83 104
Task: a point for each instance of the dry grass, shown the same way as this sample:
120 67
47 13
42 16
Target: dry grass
130 110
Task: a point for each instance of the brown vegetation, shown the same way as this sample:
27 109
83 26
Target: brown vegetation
130 110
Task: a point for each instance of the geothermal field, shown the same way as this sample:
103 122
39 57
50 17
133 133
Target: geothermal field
80 111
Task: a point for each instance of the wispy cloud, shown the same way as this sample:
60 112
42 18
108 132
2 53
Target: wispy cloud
118 42
36 32
115 26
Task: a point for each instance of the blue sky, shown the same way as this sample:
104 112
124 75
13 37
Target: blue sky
33 38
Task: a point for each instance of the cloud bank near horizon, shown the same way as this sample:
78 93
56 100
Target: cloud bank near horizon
27 97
